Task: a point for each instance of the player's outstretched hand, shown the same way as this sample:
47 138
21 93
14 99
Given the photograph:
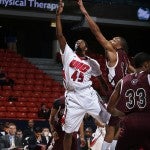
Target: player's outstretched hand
60 8
81 6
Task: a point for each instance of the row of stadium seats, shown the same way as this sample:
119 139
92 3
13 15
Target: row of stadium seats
32 88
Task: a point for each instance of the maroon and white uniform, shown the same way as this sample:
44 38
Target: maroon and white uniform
115 73
81 98
135 102
119 70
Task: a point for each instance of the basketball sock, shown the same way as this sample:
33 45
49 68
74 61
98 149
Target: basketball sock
106 145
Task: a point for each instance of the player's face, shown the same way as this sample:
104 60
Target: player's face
116 42
80 46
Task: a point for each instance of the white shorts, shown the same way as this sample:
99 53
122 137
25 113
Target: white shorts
78 103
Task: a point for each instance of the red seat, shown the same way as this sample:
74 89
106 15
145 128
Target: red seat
11 109
11 115
22 70
2 108
30 76
32 99
48 83
46 94
38 88
2 103
20 104
9 104
20 81
18 87
21 115
22 109
22 99
43 100
21 76
32 115
2 99
38 82
30 70
30 81
39 76
31 104
47 89
56 89
7 88
29 87
12 75
50 105
6 93
27 94
18 94
37 94
2 114
33 109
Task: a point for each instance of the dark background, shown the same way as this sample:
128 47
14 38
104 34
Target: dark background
35 36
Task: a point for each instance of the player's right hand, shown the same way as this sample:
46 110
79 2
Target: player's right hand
60 8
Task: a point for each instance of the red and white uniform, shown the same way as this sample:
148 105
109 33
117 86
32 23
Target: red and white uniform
81 98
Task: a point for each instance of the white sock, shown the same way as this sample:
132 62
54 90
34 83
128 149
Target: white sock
106 146
113 145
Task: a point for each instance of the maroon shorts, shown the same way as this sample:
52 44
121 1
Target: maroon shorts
58 145
135 132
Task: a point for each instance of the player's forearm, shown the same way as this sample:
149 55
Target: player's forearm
51 123
93 26
59 33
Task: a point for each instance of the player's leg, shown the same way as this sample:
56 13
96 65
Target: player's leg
73 118
67 141
111 130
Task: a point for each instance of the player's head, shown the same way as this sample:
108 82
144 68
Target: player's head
119 43
142 60
81 46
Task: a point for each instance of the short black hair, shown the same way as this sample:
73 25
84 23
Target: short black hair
124 44
140 58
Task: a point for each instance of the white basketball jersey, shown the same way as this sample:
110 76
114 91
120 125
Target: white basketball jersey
78 72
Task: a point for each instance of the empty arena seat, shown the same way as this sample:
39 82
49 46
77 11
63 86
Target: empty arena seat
2 114
11 109
22 109
21 115
2 108
20 104
11 115
32 115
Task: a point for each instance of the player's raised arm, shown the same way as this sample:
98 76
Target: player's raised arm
94 28
59 33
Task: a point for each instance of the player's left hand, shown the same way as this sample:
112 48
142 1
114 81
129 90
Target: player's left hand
60 8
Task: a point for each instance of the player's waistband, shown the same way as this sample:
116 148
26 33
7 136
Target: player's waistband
75 89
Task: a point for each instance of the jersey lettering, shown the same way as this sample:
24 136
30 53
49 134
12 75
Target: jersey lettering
78 65
77 76
139 95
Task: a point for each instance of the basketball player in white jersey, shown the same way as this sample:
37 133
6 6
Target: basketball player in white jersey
81 98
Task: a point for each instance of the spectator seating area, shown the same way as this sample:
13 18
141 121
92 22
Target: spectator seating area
32 88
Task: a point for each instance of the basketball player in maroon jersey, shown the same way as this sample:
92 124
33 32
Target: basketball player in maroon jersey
117 64
56 121
130 100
